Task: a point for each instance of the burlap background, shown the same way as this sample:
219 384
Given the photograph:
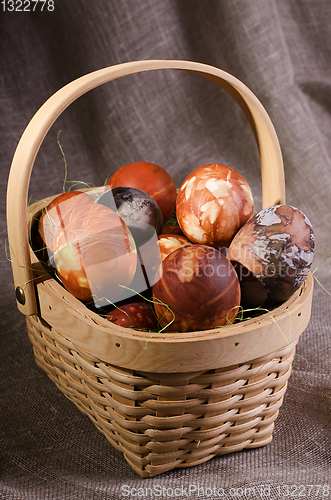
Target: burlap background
282 51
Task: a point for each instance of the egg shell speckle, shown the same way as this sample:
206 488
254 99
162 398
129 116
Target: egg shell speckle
272 253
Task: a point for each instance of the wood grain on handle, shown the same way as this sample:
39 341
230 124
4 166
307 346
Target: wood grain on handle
273 184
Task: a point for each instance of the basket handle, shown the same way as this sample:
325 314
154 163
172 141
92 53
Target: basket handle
273 183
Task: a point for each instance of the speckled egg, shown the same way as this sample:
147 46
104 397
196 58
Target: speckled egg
138 209
170 242
272 254
136 315
199 290
213 203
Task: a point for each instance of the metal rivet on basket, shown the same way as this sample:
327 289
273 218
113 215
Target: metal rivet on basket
20 295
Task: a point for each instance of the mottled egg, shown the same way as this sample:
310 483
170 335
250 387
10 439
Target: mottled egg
272 254
152 179
170 242
55 212
199 290
95 254
212 204
138 209
135 315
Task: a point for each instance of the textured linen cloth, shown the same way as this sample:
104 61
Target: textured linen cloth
282 51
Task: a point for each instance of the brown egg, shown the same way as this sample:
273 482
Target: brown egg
136 315
152 179
199 289
272 254
170 242
95 254
213 202
53 215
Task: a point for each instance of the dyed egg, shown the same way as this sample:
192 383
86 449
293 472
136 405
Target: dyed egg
199 290
272 254
139 211
213 203
170 242
95 254
152 179
52 216
136 315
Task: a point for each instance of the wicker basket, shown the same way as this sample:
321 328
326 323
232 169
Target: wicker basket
170 400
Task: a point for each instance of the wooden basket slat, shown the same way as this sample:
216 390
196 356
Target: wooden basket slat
193 429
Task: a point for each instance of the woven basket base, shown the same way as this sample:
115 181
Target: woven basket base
164 421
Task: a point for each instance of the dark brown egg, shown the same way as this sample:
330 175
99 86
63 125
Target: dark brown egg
138 209
212 204
170 242
136 315
199 289
272 254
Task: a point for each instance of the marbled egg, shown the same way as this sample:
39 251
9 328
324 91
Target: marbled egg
272 254
213 203
199 290
135 315
138 209
143 217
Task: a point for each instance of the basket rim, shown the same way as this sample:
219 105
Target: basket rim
293 304
65 316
